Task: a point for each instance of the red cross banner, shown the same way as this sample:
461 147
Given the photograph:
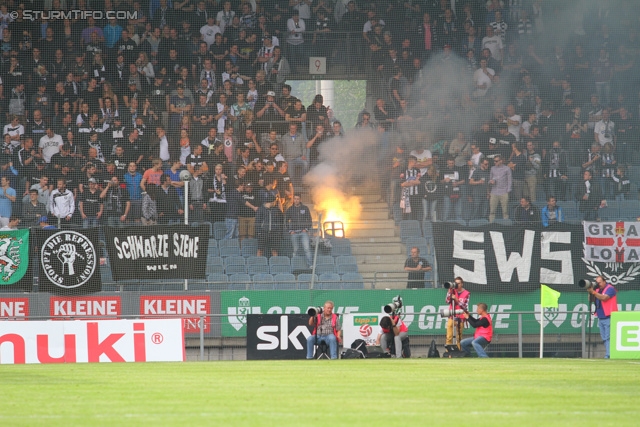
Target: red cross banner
612 241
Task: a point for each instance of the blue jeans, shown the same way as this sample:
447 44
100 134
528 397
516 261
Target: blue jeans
446 208
89 222
605 333
429 210
478 344
302 238
232 228
330 340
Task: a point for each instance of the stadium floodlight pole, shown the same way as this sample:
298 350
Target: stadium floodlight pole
315 252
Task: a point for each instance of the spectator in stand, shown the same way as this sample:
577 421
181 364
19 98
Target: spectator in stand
551 213
49 144
132 179
532 170
298 221
556 172
62 202
518 164
295 39
417 267
168 203
500 180
32 210
621 184
590 197
90 205
269 227
116 203
453 180
294 152
479 189
526 212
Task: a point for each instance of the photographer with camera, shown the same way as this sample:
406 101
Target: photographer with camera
393 329
483 333
605 299
326 328
458 299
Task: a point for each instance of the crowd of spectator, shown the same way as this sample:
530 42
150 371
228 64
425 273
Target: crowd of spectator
101 115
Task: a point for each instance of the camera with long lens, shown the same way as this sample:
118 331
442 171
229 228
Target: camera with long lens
395 306
449 285
314 311
587 284
447 312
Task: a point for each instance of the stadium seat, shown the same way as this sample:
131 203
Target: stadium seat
340 247
229 243
239 281
304 280
284 281
213 251
280 268
234 260
458 221
416 241
352 281
609 212
257 260
346 259
347 268
299 263
325 268
409 228
329 281
263 282
230 251
215 265
247 251
629 210
427 229
325 259
234 264
213 243
219 230
257 269
249 242
279 260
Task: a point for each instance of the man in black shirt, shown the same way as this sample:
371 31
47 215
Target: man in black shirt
298 220
416 266
90 205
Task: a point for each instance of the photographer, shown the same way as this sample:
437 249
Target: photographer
326 328
393 328
605 299
482 335
458 299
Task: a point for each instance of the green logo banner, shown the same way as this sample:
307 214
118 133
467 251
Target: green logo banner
425 305
14 255
625 335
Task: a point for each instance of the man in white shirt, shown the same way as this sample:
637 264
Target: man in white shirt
513 121
493 43
295 40
604 130
209 31
49 144
424 160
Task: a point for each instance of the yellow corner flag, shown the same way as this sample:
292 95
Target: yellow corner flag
548 297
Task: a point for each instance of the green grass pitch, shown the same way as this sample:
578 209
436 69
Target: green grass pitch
389 392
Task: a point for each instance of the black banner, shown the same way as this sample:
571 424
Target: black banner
277 336
515 258
69 261
158 252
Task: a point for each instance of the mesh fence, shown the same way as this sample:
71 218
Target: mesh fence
401 125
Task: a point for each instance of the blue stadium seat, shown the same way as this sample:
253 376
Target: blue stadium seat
280 268
280 260
352 281
249 247
234 264
229 243
304 280
234 260
325 259
299 263
346 259
284 281
609 212
219 230
215 265
347 268
458 221
416 241
213 243
427 229
239 281
257 260
213 251
257 269
263 282
409 228
329 281
249 242
340 247
325 268
503 221
229 251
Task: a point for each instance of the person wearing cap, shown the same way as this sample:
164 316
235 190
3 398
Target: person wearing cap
91 205
32 209
270 111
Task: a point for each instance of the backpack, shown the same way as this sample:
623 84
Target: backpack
361 346
433 351
349 353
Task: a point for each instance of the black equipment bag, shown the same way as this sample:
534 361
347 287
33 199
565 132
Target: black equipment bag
433 350
361 346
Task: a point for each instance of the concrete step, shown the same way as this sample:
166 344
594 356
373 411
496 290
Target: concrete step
374 214
376 224
375 240
382 267
365 206
377 249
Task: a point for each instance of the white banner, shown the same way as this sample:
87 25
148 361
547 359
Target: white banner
80 341
617 242
361 326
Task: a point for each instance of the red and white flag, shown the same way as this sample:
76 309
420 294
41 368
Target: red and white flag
612 241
